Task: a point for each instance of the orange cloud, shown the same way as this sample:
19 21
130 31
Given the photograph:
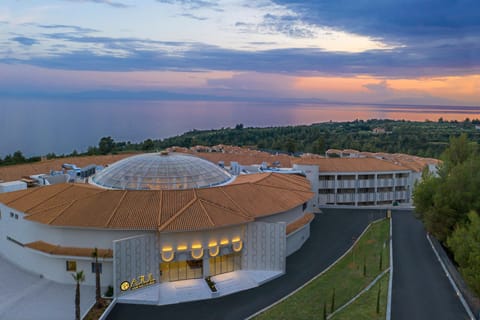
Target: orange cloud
454 87
459 88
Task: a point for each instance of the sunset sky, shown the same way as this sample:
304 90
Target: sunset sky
361 51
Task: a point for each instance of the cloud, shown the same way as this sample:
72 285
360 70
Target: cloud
431 44
114 4
145 54
192 16
67 27
24 41
380 87
400 20
288 25
194 4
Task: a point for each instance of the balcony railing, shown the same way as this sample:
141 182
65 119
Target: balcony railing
365 196
384 182
366 183
327 184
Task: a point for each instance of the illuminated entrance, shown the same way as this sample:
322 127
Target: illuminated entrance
226 263
181 270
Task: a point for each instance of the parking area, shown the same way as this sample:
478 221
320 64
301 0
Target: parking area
25 296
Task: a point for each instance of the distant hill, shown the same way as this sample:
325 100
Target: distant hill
425 139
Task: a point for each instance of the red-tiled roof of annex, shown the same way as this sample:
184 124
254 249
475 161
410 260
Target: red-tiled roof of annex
49 248
81 205
351 164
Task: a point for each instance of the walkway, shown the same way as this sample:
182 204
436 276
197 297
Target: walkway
332 233
25 296
421 289
197 289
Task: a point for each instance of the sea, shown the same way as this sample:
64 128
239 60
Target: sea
37 127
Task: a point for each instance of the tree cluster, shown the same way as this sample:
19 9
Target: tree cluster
17 158
448 203
427 139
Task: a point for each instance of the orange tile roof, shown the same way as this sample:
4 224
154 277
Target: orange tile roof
80 205
16 172
300 222
68 251
351 164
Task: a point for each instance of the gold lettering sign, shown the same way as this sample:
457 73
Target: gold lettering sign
138 282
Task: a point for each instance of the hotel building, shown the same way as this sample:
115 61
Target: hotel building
156 218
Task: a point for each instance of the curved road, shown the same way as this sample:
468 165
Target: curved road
331 236
421 289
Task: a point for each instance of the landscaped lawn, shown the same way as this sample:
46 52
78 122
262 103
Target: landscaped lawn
346 278
365 307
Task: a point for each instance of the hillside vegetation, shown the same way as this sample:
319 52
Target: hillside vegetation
426 139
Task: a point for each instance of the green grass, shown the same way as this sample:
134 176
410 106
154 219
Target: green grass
346 278
365 307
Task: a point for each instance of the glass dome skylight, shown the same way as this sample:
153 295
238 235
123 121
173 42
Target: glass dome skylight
160 171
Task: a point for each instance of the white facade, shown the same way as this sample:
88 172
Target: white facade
372 188
12 186
16 232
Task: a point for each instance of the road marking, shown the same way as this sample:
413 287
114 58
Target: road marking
390 280
454 285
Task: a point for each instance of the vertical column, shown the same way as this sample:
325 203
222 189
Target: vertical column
335 185
206 264
356 189
394 187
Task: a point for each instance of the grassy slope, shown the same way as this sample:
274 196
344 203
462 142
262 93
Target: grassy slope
346 277
365 307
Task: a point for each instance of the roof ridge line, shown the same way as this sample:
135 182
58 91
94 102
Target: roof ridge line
116 207
281 188
293 178
235 203
222 207
61 212
52 196
160 209
206 212
265 176
172 218
71 204
66 202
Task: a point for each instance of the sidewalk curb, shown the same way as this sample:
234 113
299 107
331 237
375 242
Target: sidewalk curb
388 313
454 285
315 277
108 310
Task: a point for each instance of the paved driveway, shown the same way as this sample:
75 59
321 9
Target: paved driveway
421 289
331 236
24 296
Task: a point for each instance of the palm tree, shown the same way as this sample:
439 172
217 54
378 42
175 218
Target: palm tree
78 277
98 296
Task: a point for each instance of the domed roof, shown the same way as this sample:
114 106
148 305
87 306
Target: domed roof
160 171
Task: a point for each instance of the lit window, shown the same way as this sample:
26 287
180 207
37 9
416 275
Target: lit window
71 265
99 267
